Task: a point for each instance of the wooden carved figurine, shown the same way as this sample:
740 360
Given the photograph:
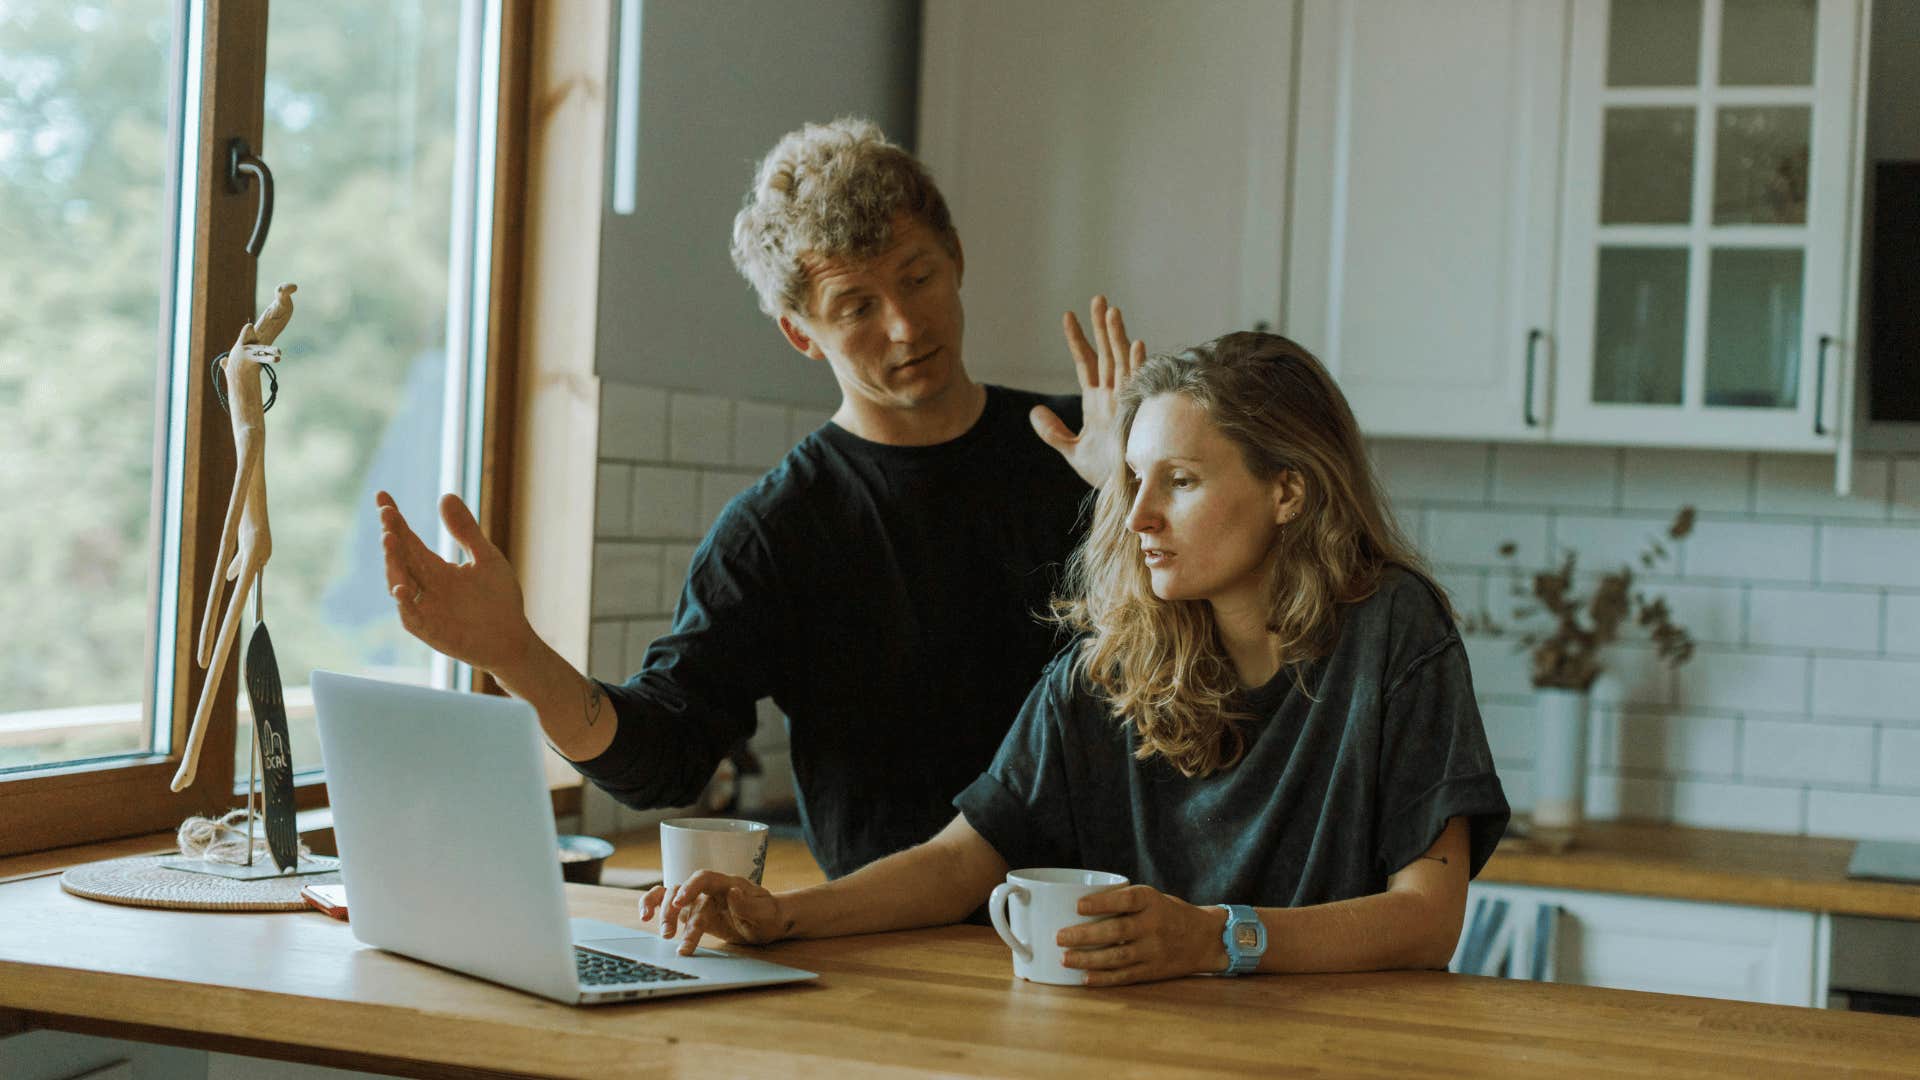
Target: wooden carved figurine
245 541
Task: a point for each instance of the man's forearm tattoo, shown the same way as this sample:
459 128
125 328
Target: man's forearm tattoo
596 698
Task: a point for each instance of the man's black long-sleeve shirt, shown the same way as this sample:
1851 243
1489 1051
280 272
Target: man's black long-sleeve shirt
888 600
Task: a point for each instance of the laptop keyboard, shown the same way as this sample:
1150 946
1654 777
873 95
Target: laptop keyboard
599 969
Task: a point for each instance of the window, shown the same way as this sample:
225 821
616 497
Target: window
121 253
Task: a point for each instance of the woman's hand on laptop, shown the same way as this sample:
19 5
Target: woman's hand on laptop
730 908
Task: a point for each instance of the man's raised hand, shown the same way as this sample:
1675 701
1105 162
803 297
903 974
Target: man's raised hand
1102 367
473 611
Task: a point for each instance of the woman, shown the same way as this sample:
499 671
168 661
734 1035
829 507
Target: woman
1269 705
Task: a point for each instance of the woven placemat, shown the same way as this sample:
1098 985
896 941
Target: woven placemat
143 882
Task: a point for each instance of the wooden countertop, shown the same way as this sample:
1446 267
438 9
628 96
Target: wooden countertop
1803 873
942 1001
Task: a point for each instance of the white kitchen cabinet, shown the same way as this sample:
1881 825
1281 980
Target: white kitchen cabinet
1628 222
1136 148
1424 204
1682 947
1711 175
1601 221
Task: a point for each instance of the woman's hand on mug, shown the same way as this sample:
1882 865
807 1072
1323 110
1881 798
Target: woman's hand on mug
1149 936
730 908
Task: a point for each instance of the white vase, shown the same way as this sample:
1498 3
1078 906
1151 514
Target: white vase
1560 758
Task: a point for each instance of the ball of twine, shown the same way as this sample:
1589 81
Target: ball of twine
224 839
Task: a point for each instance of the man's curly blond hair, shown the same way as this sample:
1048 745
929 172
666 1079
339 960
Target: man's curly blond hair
830 191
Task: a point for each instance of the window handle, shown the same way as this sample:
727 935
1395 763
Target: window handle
1533 343
242 166
1820 386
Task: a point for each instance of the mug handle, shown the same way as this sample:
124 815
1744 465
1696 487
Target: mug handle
997 911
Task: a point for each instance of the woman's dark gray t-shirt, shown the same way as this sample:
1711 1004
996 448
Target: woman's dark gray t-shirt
1332 797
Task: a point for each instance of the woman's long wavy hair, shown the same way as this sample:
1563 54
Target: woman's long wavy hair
1161 663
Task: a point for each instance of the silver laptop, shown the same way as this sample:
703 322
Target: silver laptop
447 851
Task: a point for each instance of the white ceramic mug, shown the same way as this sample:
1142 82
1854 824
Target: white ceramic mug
728 845
1031 907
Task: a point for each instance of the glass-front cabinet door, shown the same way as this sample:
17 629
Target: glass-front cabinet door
1711 167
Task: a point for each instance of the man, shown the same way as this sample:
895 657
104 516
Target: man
883 584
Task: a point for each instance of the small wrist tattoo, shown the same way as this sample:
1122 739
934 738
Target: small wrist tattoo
1441 859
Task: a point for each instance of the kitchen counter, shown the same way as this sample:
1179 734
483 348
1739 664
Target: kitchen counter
942 1001
1795 873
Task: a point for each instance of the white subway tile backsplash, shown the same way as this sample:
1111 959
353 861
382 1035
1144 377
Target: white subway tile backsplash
1753 807
1802 484
1510 730
1474 537
1867 689
760 436
633 422
1583 476
1906 489
802 422
1612 796
1711 614
666 503
1673 744
1812 619
1863 815
675 560
1467 589
1817 753
1870 555
1498 666
1431 471
613 494
700 429
1749 549
1633 675
626 578
1418 471
1779 575
1604 544
1669 479
1899 758
1903 623
1508 594
715 489
1766 682
640 634
607 650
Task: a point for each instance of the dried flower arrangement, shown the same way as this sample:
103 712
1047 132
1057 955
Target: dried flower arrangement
1568 656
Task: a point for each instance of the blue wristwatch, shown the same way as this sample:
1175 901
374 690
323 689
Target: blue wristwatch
1245 938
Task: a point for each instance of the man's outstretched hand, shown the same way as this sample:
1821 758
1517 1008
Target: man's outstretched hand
1103 366
473 611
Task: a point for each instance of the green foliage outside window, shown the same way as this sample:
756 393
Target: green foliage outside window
360 133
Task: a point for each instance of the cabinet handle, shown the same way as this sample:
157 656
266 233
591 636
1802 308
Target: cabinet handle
1820 386
1533 341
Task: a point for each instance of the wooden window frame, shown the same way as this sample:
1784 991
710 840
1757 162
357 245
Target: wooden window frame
86 802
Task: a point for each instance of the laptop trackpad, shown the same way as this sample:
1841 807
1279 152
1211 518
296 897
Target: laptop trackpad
635 944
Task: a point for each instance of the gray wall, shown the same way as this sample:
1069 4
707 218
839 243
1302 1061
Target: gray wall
720 81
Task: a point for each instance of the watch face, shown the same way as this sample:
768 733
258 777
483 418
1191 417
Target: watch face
1246 937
